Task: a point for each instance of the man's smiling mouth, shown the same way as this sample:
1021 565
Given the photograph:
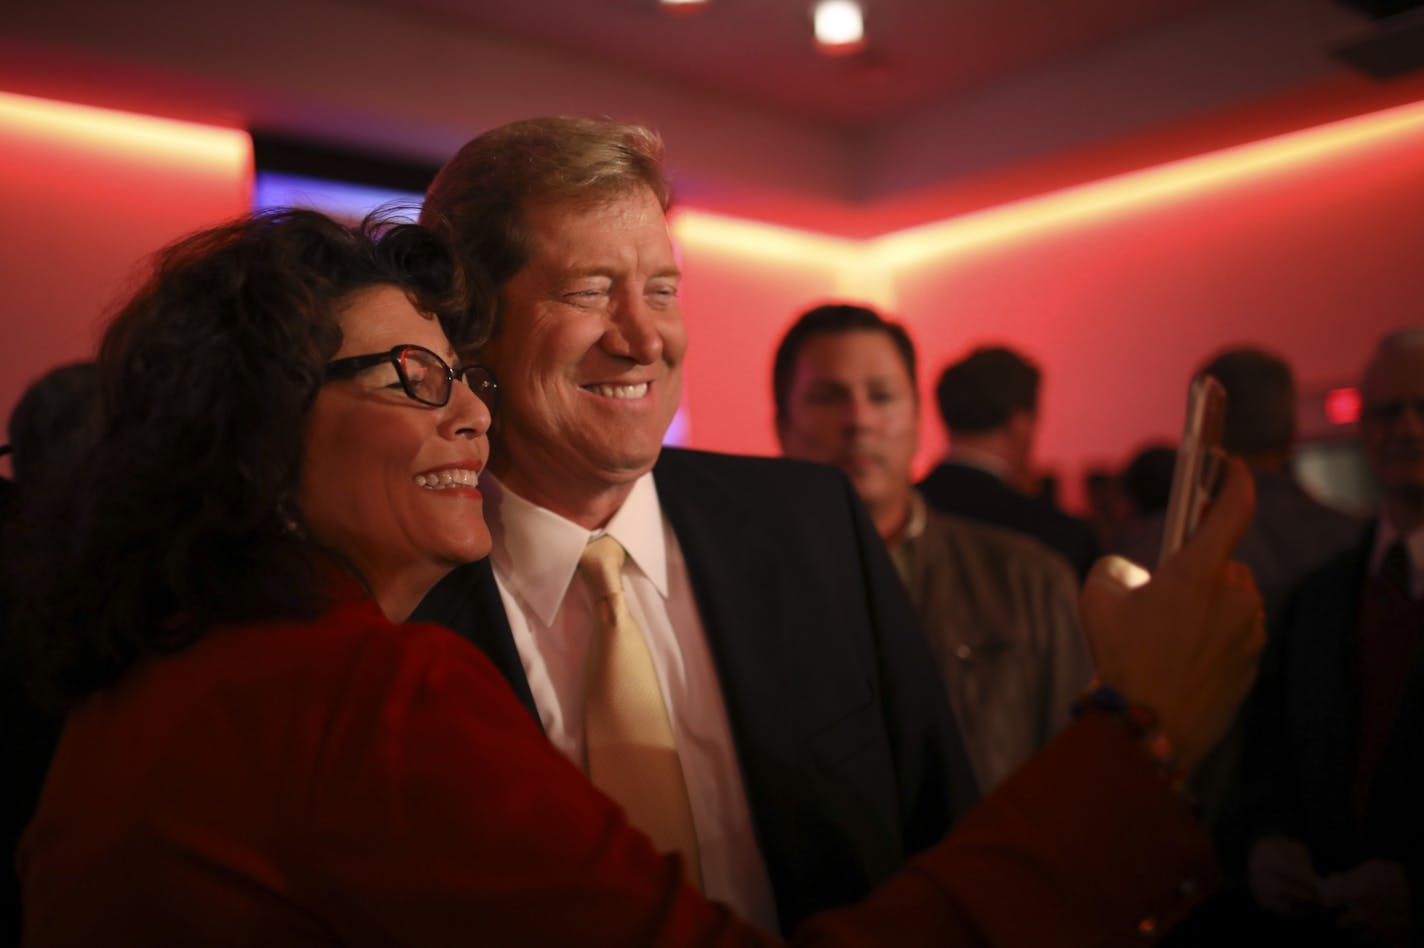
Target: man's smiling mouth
619 391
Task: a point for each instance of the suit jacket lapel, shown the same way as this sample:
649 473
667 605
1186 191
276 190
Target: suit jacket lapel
735 572
467 602
1324 703
737 596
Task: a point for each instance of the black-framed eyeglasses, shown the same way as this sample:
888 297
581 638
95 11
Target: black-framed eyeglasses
423 375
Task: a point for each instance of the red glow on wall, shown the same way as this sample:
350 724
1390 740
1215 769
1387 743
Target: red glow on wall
1342 406
1120 288
86 194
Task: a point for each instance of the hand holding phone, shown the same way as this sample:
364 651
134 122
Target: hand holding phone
1198 467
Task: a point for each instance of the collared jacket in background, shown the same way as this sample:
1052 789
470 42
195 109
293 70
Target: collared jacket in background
969 491
1000 612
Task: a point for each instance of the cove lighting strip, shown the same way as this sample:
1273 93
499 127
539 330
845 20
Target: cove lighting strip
145 136
863 266
841 257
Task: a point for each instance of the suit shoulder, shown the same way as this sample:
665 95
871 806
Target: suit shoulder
945 474
1346 566
1069 522
1325 588
1029 555
1282 503
755 469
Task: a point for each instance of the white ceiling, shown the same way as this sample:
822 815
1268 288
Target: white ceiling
953 104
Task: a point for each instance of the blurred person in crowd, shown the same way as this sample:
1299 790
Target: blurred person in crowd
262 752
1104 503
1292 532
53 424
999 609
796 702
1146 484
989 404
1333 766
55 421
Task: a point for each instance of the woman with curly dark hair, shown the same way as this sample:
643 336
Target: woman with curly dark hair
261 752
191 511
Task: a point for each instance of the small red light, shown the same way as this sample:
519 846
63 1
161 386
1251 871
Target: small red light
1342 406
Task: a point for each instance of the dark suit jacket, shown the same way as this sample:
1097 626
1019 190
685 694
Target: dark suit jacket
1298 765
1291 534
974 493
849 751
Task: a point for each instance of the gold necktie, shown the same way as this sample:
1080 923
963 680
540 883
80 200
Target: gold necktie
631 753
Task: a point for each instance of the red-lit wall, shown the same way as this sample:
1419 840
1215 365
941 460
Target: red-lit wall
79 209
1315 260
1316 264
737 305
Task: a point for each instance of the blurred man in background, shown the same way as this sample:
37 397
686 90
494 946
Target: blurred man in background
1291 532
989 403
1333 769
999 609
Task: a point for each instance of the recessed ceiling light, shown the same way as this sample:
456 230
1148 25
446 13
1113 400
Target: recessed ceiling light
682 6
840 26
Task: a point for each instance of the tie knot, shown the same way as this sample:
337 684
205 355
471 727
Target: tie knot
602 566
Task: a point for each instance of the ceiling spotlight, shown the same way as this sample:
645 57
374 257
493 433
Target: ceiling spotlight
840 26
682 6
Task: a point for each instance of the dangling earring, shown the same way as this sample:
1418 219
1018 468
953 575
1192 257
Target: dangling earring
290 524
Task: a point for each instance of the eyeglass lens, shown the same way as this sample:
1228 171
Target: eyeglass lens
482 382
428 379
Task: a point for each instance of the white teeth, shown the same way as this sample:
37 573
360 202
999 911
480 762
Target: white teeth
621 391
440 480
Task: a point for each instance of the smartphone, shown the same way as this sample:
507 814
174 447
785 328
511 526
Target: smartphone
1199 459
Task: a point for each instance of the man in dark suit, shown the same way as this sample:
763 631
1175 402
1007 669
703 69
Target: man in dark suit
989 404
812 736
1333 768
1291 532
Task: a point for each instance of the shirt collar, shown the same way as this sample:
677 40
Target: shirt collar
638 525
915 525
536 551
982 460
1386 535
902 551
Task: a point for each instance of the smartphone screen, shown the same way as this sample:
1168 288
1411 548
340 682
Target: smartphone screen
1199 458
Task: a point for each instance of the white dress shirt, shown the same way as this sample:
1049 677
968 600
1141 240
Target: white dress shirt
535 559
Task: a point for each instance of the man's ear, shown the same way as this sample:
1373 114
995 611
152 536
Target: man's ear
1022 424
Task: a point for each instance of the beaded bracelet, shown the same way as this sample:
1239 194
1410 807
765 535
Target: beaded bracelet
1141 724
